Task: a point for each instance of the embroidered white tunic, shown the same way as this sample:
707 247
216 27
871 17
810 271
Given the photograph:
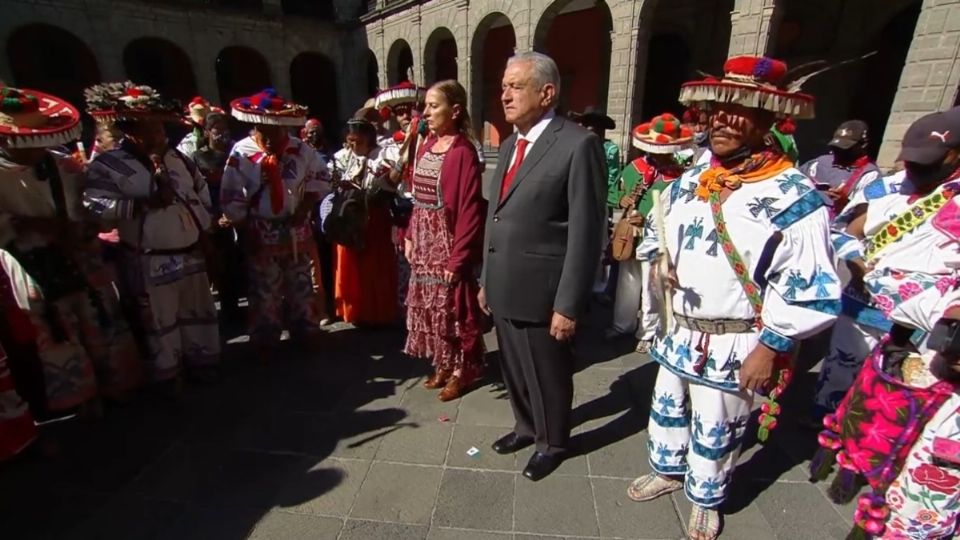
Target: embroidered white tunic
913 275
23 194
377 165
117 181
302 171
796 276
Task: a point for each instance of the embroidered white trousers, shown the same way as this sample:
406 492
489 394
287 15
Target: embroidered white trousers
699 439
850 344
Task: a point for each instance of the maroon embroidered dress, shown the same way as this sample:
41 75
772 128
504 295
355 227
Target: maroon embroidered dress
444 321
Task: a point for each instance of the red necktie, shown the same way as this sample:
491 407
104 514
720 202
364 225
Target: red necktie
512 173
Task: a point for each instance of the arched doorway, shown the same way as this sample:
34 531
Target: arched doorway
241 71
878 87
440 56
493 44
373 73
817 30
584 70
678 39
51 59
399 62
668 67
162 65
313 83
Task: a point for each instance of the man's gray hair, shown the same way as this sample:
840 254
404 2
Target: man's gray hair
545 70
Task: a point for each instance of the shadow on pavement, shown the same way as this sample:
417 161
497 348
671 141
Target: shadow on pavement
213 463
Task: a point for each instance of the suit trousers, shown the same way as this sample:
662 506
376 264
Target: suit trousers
538 374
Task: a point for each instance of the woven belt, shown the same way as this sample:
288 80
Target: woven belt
717 326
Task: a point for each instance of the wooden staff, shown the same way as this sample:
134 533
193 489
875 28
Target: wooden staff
663 264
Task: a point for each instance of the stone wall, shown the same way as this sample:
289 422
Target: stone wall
107 26
931 76
929 80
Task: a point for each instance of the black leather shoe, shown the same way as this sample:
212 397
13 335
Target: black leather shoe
541 465
510 443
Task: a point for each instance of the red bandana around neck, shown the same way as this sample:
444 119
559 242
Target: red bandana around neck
270 171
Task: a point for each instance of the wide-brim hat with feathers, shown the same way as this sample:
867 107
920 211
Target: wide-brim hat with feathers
269 109
32 119
754 82
126 101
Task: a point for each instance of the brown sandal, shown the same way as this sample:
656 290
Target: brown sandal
438 380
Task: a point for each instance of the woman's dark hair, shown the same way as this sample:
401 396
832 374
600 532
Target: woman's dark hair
456 94
363 129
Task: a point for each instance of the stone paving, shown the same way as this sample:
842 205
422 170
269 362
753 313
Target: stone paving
347 445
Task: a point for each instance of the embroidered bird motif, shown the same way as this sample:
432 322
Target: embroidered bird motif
764 205
793 181
694 233
714 240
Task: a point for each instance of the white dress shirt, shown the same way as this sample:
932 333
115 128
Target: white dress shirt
533 134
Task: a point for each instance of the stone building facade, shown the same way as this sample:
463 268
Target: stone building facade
625 56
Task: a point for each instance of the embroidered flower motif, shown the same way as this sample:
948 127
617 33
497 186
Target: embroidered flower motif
884 303
909 289
927 516
944 284
935 479
894 499
886 403
892 230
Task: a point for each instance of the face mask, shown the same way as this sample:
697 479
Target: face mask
928 176
700 138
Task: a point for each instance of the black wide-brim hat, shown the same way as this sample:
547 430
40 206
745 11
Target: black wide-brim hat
591 116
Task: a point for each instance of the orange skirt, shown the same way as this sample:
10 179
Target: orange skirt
366 280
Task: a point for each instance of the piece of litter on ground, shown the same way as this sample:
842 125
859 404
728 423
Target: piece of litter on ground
444 418
473 452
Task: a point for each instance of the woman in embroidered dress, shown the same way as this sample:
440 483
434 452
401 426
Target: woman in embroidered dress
366 276
443 246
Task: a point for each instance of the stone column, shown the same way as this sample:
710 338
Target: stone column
625 68
754 23
929 80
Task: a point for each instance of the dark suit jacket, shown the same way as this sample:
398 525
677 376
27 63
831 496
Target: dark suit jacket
543 241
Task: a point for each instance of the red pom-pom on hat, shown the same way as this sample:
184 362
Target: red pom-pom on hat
787 126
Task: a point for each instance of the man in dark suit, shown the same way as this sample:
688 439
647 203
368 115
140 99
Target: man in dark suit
543 239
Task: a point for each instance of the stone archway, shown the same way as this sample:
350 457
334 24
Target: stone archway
162 65
399 62
312 77
812 30
584 70
241 71
493 44
668 67
877 89
440 56
373 73
676 41
51 59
